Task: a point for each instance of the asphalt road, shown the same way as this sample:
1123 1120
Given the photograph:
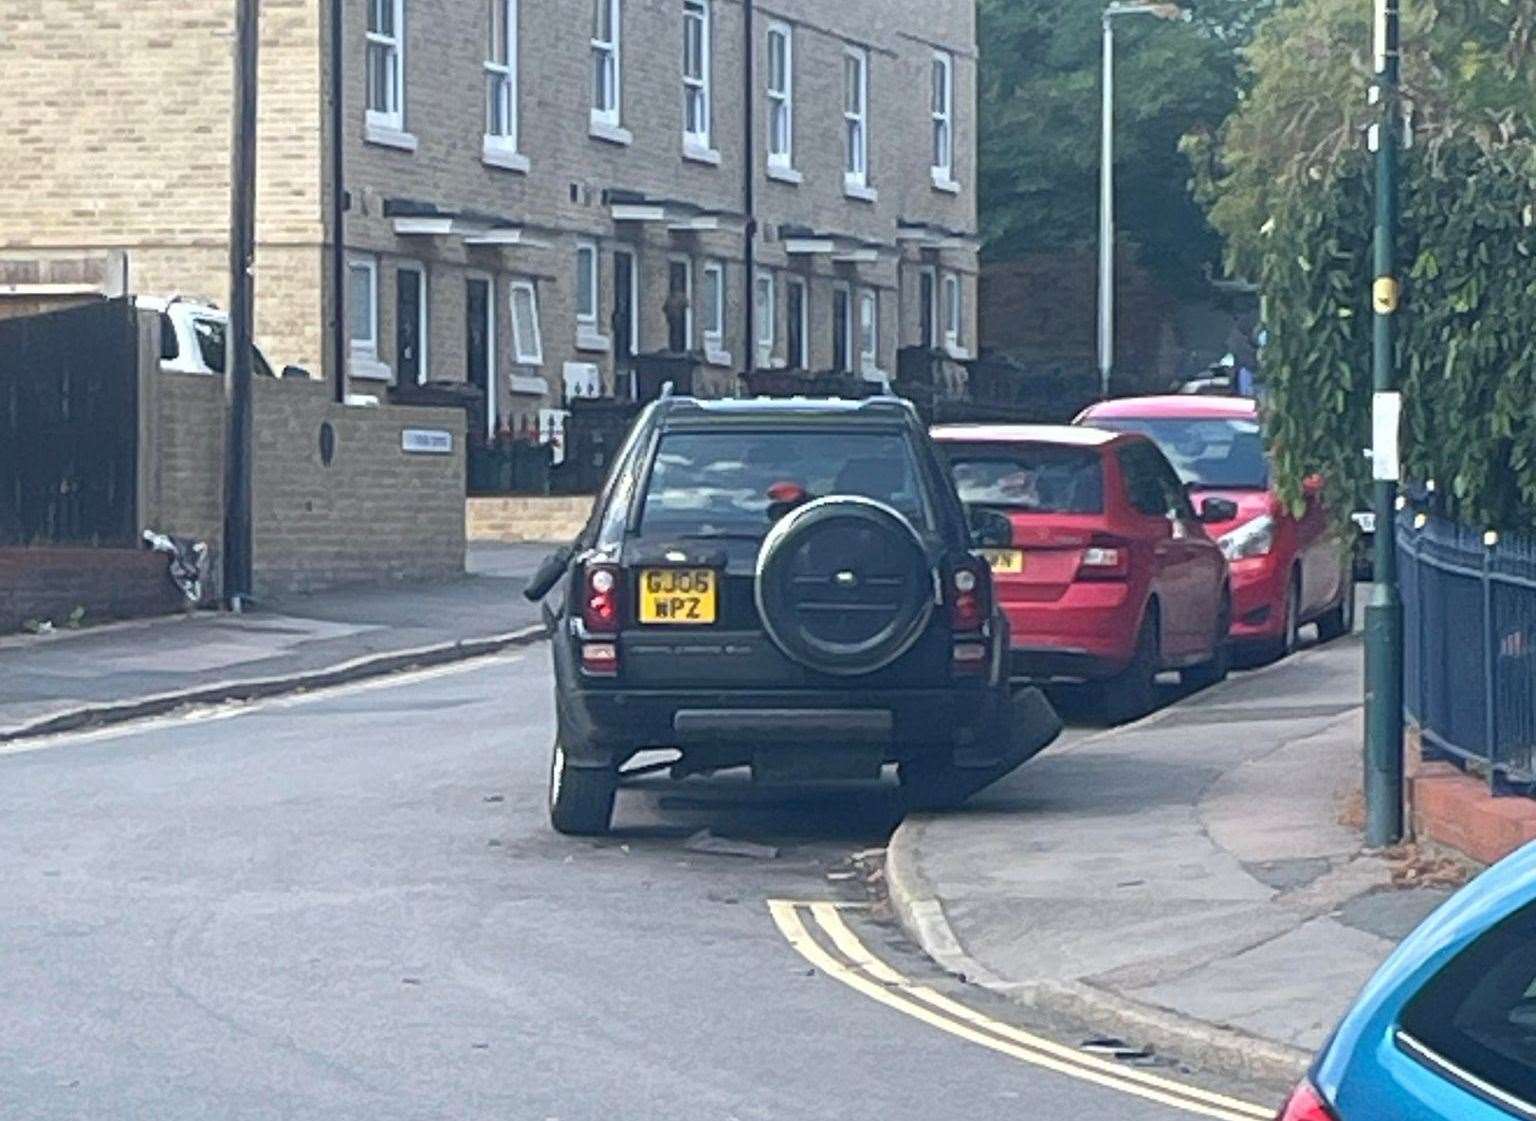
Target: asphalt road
348 905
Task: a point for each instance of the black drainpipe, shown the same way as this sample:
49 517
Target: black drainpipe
340 344
749 180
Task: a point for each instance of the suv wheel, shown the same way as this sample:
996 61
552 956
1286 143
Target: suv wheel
580 798
844 585
1132 693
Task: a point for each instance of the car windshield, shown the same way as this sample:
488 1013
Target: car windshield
1041 478
1207 452
712 484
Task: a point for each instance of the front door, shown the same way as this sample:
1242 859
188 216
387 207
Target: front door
841 323
478 343
928 298
679 297
622 321
409 298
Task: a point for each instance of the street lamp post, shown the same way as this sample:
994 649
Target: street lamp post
1384 613
1107 179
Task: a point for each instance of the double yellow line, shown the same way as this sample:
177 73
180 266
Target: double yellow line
840 954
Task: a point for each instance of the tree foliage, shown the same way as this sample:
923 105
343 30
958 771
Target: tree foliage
1289 184
1039 150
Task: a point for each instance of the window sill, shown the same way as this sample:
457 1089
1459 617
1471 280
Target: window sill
496 154
766 359
785 174
530 384
590 341
863 192
957 352
714 356
874 374
387 136
942 182
609 132
700 153
365 368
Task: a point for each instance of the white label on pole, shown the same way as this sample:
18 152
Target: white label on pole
426 441
1381 36
1386 415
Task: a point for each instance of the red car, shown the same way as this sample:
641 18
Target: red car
1286 570
1110 576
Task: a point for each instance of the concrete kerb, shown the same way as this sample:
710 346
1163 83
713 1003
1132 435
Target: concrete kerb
1224 1049
250 689
1209 1046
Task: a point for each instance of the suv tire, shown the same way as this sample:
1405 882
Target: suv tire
844 585
580 798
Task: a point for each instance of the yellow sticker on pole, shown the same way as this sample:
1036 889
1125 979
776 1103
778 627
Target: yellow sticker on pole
1384 295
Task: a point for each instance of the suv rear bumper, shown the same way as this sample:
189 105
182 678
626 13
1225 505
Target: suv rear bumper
972 726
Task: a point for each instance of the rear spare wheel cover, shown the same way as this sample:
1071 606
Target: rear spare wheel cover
843 585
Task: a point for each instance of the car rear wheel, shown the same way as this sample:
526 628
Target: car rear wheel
1214 671
1340 620
1132 693
844 585
580 798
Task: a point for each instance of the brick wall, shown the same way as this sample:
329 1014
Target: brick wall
554 519
375 513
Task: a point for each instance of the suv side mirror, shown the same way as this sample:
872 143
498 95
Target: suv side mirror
989 529
1218 510
548 574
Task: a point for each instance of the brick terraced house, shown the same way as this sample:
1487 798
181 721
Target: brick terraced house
534 184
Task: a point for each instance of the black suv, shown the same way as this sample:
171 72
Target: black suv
787 585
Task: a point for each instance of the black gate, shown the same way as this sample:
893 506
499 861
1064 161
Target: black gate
594 432
69 427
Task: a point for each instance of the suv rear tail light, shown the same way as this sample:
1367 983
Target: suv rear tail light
1105 559
969 597
601 599
1306 1104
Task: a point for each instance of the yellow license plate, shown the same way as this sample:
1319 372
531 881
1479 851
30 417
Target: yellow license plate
678 595
1007 561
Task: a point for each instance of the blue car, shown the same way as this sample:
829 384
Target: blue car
1446 1029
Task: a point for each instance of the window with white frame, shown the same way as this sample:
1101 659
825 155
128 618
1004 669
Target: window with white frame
696 74
586 286
363 306
501 100
713 305
856 116
781 95
527 344
386 64
607 28
953 326
943 117
765 312
869 330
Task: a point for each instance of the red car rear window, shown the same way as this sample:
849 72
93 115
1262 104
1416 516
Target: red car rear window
1040 478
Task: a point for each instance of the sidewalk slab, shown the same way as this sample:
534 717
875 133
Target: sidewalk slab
1184 881
71 677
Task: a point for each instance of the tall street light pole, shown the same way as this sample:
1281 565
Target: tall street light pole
1384 613
238 349
1106 349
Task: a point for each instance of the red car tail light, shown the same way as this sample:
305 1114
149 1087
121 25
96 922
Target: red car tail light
600 601
1306 1104
1105 558
969 597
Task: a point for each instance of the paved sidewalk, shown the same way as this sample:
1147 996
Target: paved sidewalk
1183 882
68 678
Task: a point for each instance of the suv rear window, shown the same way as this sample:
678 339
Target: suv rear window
1479 1012
1040 478
718 483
